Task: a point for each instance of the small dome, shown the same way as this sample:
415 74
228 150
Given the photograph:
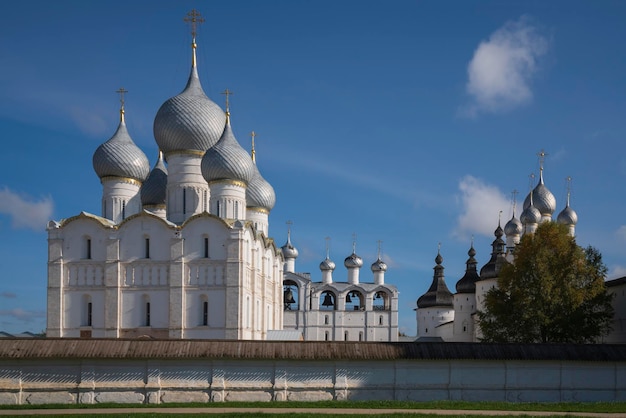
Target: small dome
542 199
530 215
513 227
226 160
327 265
438 294
153 190
492 269
289 251
120 157
259 193
467 283
189 121
567 216
353 261
379 265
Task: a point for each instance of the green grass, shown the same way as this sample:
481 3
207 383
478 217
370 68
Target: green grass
591 407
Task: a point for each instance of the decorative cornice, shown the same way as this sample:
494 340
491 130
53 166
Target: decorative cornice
231 182
128 180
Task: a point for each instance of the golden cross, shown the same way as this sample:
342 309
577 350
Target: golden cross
121 91
227 93
542 156
194 18
253 152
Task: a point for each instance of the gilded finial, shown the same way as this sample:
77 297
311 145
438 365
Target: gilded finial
514 194
227 93
542 157
380 244
194 19
121 92
327 247
439 248
253 151
354 243
289 223
569 187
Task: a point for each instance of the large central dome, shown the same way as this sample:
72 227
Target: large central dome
189 121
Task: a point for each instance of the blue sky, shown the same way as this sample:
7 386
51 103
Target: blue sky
408 122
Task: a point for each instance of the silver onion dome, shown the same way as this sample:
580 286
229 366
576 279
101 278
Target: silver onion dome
327 265
379 265
120 157
513 227
467 283
259 193
289 251
226 160
153 190
530 215
353 261
542 198
190 120
567 216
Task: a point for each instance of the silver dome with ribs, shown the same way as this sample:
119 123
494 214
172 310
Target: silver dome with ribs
120 157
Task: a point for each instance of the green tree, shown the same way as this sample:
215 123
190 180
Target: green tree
553 292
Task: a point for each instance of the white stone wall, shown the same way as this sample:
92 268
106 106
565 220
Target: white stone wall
92 381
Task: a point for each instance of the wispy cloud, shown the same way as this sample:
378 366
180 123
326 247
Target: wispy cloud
8 295
480 205
22 315
502 68
24 211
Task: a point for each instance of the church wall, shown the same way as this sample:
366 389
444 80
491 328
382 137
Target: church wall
161 380
618 333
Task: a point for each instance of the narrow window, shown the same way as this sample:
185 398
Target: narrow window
147 247
380 320
206 247
361 336
88 248
104 208
218 207
345 336
205 313
204 200
325 319
236 210
184 201
123 209
326 336
89 307
147 314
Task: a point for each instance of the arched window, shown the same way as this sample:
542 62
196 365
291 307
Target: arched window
218 209
206 247
345 336
355 301
325 319
236 210
291 295
123 209
361 336
326 336
380 320
380 301
147 248
88 248
87 317
205 311
328 301
146 310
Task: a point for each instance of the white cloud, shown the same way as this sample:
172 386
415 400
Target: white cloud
481 204
24 211
502 68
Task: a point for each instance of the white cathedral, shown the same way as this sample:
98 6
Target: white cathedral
183 250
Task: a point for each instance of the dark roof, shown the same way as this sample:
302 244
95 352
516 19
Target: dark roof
438 293
615 282
65 348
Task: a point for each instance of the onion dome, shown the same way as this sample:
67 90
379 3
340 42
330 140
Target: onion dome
467 283
289 251
189 121
260 193
120 157
542 198
530 215
513 227
379 265
153 190
438 293
567 216
492 269
327 264
353 261
226 160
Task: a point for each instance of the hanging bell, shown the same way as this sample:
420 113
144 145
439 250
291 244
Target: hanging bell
288 296
348 299
328 300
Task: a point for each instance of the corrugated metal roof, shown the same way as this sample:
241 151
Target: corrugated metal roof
308 350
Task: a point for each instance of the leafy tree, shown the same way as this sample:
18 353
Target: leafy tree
553 292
